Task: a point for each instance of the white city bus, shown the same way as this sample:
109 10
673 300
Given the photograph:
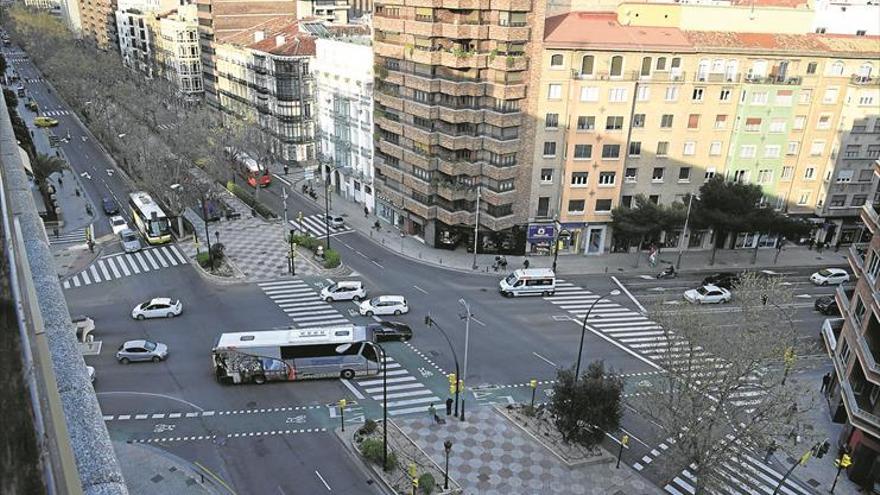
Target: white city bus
149 218
294 354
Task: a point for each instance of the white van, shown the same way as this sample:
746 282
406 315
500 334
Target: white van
529 281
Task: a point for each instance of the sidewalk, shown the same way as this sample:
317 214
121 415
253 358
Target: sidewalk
148 470
492 456
569 264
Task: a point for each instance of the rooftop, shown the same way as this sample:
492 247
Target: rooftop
277 36
601 30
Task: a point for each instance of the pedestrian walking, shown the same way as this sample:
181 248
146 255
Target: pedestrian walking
810 243
432 412
837 246
60 182
366 211
286 169
820 246
526 263
826 383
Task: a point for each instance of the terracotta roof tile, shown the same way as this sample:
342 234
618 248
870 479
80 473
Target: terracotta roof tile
601 29
296 42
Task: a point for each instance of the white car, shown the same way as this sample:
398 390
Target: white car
91 372
160 307
118 224
830 276
384 305
708 294
344 291
335 221
131 243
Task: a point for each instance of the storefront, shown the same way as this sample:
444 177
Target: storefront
539 238
573 238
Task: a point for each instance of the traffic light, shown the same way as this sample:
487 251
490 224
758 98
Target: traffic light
624 440
844 462
428 321
823 449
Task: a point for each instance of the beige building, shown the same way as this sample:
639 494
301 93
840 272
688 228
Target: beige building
333 11
176 50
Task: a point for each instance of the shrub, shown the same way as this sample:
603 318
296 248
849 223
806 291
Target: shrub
217 250
369 427
306 241
426 483
331 258
204 259
249 199
372 449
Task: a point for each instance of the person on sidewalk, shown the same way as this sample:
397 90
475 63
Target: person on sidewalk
366 211
810 244
526 263
826 383
837 246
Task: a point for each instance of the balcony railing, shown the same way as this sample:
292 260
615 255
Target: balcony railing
863 419
830 331
793 81
870 216
864 80
857 254
843 296
717 77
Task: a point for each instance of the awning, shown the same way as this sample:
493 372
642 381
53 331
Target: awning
25 161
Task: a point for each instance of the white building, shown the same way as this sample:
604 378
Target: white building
333 11
344 73
858 17
177 51
133 32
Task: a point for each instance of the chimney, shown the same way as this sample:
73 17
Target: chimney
279 40
259 36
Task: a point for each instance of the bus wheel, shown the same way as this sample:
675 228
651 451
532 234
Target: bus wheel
347 374
259 379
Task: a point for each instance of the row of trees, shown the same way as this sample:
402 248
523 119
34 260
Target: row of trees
726 207
124 111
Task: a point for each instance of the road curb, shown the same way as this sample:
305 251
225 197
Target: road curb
347 441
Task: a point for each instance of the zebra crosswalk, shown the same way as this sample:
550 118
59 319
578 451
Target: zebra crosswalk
406 395
54 113
302 303
314 226
76 237
166 127
643 336
119 266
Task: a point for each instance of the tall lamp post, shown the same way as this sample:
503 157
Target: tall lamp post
560 234
684 230
384 408
467 335
577 369
447 446
430 322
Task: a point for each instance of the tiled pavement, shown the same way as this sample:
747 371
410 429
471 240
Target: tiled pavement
492 456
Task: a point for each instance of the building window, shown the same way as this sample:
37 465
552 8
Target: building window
747 151
666 121
720 121
589 93
799 122
646 67
824 122
655 198
546 176
549 148
576 206
583 151
809 173
657 174
690 148
844 176
635 148
630 175
837 201
753 124
684 174
556 61
715 148
765 176
554 92
817 148
805 97
551 121
787 173
710 172
694 121
860 200
613 123
610 151
771 151
852 151
543 207
859 310
777 126
874 150
587 65
671 93
811 67
616 66
579 178
617 95
638 121
741 176
697 94
606 178
644 93
603 205
784 97
760 98
724 95
626 201
830 96
662 148
586 123
661 63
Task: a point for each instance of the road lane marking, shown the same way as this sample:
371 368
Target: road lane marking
423 291
352 389
377 264
478 321
542 358
323 481
628 294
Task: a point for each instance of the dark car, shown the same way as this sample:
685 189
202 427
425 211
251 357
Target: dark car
110 206
725 280
390 330
827 305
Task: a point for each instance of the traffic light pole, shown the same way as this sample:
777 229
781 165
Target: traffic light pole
430 322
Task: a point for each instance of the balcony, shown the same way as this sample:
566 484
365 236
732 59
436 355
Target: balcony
867 353
419 209
856 258
509 33
389 125
464 30
454 218
452 167
843 297
428 57
388 50
717 78
464 60
453 191
861 80
509 62
871 218
513 5
788 81
830 332
426 28
390 24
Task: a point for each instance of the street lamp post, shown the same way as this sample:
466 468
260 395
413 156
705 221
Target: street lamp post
559 234
681 240
447 446
430 322
284 197
327 215
384 408
467 336
207 233
577 369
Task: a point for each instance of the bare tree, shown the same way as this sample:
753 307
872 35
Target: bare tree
725 389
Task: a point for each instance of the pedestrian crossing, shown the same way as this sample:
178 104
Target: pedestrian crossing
117 266
78 236
166 127
643 336
54 113
315 227
302 304
406 395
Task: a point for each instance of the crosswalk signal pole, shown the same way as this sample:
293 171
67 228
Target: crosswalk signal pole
624 442
800 462
844 462
284 196
342 403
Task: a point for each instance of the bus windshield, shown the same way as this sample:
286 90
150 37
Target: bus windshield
158 226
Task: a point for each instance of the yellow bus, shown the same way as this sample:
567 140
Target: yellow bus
149 218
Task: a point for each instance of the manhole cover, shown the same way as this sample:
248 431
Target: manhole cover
813 483
252 404
433 353
157 478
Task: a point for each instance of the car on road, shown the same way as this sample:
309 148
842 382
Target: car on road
32 106
118 224
827 305
830 276
725 280
110 206
348 290
159 307
707 294
335 221
384 305
131 243
45 121
141 350
20 91
91 372
390 330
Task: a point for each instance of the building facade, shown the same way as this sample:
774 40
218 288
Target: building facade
265 74
176 49
853 343
344 76
332 11
857 17
453 118
134 36
98 22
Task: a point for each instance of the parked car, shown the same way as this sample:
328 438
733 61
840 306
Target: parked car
118 224
384 305
45 122
830 276
109 205
390 330
159 307
141 350
131 243
708 294
725 280
827 305
335 221
91 372
348 290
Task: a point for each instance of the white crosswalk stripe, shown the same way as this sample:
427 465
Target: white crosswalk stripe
55 113
314 226
302 304
406 395
119 266
76 237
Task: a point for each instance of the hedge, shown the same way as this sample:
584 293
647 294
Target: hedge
373 450
332 259
249 199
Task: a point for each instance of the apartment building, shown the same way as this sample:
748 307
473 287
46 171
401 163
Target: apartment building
344 75
70 13
265 73
135 38
176 49
98 22
220 20
858 17
454 118
50 5
853 343
332 11
658 110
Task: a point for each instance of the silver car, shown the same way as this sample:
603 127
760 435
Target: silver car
131 243
141 350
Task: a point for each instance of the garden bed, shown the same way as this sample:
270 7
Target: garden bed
540 427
